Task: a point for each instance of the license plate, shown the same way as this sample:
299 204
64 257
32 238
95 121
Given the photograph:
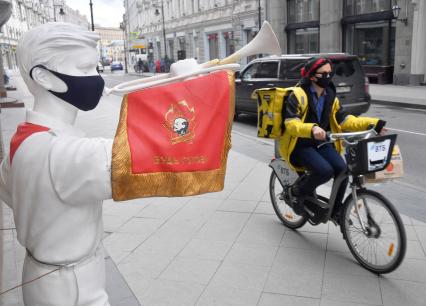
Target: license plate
343 89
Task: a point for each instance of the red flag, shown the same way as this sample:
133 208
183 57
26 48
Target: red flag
173 140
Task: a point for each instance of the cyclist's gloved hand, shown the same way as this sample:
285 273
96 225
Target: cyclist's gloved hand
380 127
318 133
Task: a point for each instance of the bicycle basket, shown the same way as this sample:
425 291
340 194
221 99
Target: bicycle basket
370 155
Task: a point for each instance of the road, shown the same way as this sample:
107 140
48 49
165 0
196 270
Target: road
407 193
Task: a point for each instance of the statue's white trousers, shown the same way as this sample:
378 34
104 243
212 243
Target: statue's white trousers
80 284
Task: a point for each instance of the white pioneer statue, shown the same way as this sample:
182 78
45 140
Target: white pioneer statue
55 180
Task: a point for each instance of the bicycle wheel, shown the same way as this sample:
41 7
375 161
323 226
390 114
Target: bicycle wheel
381 247
284 212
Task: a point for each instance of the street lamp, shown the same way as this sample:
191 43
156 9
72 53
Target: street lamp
259 8
396 9
164 26
91 14
126 44
61 11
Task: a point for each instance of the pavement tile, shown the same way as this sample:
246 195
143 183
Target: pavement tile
146 264
127 209
415 250
351 288
238 206
307 284
344 263
196 212
266 196
141 226
296 272
124 241
421 234
206 249
410 232
190 270
410 270
271 299
248 190
240 276
167 240
292 260
304 240
137 280
406 220
116 287
164 292
223 226
162 208
320 228
336 243
418 223
264 208
254 185
113 223
262 229
228 296
251 254
400 292
326 302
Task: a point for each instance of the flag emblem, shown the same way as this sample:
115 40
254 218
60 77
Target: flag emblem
179 120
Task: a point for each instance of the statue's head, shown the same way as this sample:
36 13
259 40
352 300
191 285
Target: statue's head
61 58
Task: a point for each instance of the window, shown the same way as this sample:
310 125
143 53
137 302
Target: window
267 70
304 41
302 10
229 42
213 46
373 42
250 72
358 7
290 69
263 70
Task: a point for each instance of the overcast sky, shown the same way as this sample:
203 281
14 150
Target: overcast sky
106 13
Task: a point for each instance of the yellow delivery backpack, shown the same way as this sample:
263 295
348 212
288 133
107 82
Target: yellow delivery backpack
270 110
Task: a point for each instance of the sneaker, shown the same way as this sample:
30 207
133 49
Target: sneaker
295 202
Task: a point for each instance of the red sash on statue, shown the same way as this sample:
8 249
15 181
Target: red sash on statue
173 140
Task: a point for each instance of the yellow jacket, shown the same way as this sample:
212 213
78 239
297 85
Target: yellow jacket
296 127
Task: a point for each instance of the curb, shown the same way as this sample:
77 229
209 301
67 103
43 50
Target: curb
399 104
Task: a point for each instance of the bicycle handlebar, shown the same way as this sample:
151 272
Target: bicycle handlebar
333 137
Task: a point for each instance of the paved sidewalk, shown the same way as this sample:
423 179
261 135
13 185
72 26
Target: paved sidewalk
399 96
227 248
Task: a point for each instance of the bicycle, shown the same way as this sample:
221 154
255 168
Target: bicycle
370 224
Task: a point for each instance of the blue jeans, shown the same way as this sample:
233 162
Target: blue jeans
323 164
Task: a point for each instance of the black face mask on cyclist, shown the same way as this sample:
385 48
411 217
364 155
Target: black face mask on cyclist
325 80
84 92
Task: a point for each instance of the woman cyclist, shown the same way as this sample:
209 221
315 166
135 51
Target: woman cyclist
311 111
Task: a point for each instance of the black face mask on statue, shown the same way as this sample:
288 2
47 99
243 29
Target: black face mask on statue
84 92
325 80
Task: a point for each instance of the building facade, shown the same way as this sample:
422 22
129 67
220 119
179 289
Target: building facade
201 29
111 46
390 49
26 14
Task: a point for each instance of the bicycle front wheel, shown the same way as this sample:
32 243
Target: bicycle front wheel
373 231
283 211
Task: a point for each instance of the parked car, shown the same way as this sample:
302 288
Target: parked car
100 67
116 66
352 86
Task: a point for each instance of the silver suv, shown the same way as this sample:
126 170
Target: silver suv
284 71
